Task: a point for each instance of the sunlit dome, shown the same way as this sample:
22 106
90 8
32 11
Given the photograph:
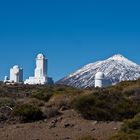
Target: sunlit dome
16 67
99 75
40 56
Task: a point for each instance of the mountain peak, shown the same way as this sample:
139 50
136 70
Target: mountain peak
121 58
116 68
118 57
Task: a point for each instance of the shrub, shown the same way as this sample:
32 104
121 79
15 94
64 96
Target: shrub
6 102
42 96
27 112
130 130
124 136
106 106
91 108
132 90
32 101
63 102
5 113
131 125
50 112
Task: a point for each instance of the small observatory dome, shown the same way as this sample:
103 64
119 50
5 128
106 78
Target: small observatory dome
16 67
99 79
99 75
40 56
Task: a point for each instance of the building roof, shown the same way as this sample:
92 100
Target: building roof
40 56
99 75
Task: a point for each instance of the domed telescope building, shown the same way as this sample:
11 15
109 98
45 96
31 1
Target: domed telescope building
101 80
16 74
40 73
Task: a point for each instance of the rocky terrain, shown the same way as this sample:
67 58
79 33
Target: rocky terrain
69 126
60 112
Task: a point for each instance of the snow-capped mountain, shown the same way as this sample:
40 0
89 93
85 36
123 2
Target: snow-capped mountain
116 68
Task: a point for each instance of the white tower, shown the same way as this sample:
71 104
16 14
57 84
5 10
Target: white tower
40 74
99 79
16 74
41 66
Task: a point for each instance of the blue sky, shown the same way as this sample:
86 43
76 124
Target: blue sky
71 33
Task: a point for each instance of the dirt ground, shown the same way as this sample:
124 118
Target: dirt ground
68 126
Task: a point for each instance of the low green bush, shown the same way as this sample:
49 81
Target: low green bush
132 90
130 130
33 102
106 106
27 112
124 136
131 125
42 96
50 112
5 101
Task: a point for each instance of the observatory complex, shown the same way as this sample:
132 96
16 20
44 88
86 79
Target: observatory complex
40 73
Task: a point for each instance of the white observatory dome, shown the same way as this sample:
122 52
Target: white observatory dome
99 75
16 67
40 56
